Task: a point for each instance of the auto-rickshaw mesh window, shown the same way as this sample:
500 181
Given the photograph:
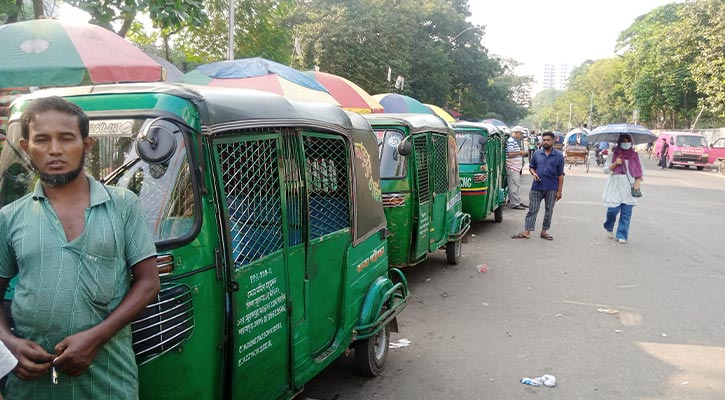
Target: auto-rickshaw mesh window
250 178
293 186
420 147
470 150
326 171
440 163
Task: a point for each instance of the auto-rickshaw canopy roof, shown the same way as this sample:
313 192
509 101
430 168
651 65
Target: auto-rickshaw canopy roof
415 122
231 108
489 128
222 105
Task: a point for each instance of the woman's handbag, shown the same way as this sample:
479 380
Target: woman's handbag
635 192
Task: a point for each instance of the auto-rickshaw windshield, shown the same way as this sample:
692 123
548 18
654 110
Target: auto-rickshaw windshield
470 149
392 164
165 190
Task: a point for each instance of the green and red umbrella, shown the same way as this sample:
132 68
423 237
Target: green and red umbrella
350 96
52 53
398 103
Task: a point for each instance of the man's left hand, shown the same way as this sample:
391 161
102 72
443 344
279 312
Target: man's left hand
558 196
77 352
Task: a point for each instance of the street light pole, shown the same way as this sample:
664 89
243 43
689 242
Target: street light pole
231 30
591 110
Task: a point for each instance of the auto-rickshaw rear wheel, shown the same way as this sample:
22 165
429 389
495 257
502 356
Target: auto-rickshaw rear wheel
453 251
371 353
498 214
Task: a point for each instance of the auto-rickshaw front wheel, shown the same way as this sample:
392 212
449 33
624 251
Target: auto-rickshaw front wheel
453 251
371 353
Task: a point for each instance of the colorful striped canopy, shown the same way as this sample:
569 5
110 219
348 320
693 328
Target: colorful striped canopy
260 74
47 52
441 113
350 96
398 103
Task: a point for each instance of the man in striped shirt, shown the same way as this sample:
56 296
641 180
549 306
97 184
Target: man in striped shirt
73 244
514 164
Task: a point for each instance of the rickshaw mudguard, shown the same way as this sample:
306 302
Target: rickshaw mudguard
383 302
460 226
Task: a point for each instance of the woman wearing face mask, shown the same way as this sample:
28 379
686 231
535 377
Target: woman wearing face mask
625 171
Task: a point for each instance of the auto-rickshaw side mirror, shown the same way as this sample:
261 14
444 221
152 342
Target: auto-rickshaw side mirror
156 143
405 148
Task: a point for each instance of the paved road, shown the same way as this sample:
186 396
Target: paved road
537 308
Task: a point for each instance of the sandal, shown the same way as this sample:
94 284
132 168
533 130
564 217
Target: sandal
519 236
546 236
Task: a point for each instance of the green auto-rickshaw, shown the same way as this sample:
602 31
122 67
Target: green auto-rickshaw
482 165
268 219
420 184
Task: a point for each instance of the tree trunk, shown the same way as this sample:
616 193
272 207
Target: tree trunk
127 21
38 9
14 14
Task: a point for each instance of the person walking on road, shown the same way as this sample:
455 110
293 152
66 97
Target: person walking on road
664 152
514 165
547 168
74 245
625 176
532 145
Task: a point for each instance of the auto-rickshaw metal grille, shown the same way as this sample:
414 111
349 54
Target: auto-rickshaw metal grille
293 186
440 164
165 324
420 147
250 176
327 184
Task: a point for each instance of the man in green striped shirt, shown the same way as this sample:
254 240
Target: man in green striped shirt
73 244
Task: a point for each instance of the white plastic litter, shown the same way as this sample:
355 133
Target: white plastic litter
545 380
403 342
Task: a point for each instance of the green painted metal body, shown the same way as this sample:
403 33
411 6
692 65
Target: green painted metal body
482 168
421 191
277 274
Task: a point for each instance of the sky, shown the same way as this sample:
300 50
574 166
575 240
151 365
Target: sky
538 32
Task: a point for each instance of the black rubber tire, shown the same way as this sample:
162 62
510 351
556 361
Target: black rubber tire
371 353
722 167
700 168
498 214
453 252
669 163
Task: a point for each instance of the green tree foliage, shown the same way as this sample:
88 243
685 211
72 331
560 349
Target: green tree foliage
701 37
165 14
261 28
658 82
428 42
20 10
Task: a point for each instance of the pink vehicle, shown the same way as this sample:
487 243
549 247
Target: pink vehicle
717 154
685 149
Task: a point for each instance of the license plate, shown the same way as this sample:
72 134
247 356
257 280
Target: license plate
690 162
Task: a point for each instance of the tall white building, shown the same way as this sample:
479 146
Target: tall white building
555 76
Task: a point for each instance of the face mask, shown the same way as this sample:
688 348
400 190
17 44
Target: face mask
625 146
